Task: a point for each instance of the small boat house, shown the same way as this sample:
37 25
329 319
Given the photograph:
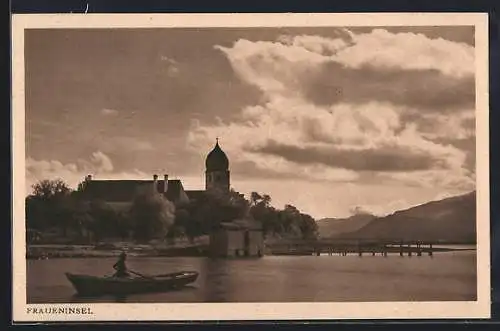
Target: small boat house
239 238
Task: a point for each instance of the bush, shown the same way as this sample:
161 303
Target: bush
151 216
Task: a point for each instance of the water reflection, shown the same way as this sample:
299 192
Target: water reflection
123 298
216 280
446 276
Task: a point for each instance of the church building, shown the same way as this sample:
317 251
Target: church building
230 239
124 191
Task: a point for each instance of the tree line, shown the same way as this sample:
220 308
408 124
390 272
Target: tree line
53 206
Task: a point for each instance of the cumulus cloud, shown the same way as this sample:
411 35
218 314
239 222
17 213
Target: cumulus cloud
98 161
358 210
383 209
272 66
383 158
318 44
398 67
335 83
338 108
336 143
98 164
380 48
460 126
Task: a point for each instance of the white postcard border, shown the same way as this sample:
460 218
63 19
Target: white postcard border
252 311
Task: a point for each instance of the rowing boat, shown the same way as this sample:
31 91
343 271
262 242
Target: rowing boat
109 285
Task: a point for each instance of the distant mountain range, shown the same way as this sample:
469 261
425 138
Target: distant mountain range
448 220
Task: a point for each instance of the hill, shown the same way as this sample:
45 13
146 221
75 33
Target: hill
448 220
333 227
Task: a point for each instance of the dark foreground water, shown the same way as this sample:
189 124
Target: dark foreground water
445 277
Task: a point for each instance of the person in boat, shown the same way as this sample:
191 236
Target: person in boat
121 267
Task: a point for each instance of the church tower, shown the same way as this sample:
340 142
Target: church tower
217 170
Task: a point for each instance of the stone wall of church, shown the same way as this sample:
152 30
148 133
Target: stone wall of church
217 179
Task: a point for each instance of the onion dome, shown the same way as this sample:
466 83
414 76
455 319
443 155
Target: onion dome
217 159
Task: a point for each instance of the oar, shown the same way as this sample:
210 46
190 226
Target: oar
139 274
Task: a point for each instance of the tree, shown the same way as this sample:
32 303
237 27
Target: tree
211 209
49 205
308 227
151 216
255 198
185 223
83 221
53 205
219 207
47 189
288 221
262 211
239 207
106 221
175 231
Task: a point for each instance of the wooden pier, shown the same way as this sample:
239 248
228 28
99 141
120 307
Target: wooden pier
357 247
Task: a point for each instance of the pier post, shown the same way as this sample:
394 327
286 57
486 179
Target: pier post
430 249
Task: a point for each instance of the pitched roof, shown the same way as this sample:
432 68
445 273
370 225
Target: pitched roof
175 191
114 190
126 190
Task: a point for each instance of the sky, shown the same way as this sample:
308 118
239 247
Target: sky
332 120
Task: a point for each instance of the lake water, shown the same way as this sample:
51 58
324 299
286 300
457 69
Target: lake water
444 277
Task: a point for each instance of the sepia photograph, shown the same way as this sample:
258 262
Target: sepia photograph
271 161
